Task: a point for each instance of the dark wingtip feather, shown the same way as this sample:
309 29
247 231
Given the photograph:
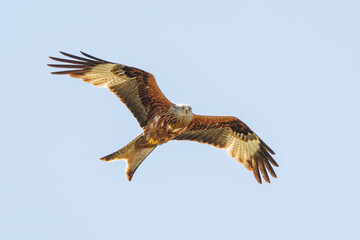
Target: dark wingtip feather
259 180
68 72
76 57
256 172
270 158
273 162
269 168
65 66
92 57
263 170
267 147
66 60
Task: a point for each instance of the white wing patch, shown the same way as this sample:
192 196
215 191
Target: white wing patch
102 76
241 149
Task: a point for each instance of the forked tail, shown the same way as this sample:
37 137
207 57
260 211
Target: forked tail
133 153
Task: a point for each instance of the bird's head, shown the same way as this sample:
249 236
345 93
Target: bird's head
183 111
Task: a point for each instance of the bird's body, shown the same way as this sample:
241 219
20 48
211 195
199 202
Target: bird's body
164 126
162 120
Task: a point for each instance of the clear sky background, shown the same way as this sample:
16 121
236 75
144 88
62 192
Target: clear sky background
289 69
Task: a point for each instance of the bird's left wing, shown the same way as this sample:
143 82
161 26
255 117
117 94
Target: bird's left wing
238 139
136 88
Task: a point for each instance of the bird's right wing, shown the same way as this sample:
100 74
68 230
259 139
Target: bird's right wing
136 88
238 139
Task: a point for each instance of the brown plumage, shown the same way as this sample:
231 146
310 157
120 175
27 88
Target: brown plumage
162 120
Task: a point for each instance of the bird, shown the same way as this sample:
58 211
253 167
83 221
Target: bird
162 120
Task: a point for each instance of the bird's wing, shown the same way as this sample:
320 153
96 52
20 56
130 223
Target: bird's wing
136 88
238 139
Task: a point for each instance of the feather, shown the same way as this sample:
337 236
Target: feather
66 60
68 72
240 142
262 169
95 58
76 57
65 66
255 168
139 93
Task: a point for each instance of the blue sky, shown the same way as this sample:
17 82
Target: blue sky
288 69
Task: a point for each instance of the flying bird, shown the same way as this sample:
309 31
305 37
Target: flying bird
162 121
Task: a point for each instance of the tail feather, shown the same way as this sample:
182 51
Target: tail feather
124 153
133 153
134 162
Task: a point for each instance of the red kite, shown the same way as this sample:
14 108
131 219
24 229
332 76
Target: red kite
162 120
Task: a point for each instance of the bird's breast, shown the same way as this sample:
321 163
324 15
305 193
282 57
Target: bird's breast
161 130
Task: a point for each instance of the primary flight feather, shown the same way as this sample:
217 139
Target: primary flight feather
162 120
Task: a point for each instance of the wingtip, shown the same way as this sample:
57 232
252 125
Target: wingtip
271 151
54 73
267 147
52 58
92 57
